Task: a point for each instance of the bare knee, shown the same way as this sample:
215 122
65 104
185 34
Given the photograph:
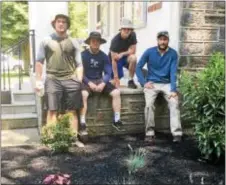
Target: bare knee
132 59
115 93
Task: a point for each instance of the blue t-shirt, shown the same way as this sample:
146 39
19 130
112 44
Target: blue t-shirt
161 68
94 65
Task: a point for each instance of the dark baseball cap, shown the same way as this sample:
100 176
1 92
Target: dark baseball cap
163 33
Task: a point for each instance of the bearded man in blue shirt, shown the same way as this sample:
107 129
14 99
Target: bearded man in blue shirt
161 63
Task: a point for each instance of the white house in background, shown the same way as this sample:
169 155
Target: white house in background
196 29
148 19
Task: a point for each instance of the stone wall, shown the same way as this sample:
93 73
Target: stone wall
202 32
100 114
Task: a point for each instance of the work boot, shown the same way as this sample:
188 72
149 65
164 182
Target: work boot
118 125
131 84
177 139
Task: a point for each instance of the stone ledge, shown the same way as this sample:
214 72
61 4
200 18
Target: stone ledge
99 116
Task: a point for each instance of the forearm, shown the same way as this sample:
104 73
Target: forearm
79 73
114 68
38 70
114 64
173 82
130 51
140 75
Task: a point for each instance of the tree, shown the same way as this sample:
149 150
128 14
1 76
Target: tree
78 12
14 22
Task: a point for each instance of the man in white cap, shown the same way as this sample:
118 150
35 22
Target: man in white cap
64 73
162 63
122 53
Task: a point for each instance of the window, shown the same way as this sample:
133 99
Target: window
136 11
122 14
139 14
103 20
98 12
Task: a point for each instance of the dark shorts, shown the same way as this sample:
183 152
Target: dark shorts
61 95
107 89
122 62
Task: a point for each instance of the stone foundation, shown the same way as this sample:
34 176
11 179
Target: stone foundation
202 32
100 114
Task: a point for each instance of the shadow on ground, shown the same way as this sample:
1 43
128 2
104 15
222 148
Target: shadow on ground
103 162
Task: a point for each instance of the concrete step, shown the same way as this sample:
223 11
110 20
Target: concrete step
18 137
22 96
19 121
17 108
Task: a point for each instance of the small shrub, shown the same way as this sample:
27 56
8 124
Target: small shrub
204 106
58 136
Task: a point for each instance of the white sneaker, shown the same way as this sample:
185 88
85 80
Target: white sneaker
150 133
79 144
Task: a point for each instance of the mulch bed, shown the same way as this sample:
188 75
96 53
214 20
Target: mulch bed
103 162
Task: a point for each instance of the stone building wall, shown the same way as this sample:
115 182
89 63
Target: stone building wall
202 31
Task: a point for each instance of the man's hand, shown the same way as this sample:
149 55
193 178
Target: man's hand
149 85
92 86
116 82
100 87
173 95
120 55
39 85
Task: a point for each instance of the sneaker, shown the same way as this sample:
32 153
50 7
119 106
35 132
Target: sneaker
131 84
177 139
78 143
118 125
149 138
83 130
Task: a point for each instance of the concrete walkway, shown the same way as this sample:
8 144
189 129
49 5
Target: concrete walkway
18 137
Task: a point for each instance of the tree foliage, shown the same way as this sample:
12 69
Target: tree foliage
14 22
78 12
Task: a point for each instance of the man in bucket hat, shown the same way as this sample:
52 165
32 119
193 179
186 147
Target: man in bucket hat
122 53
63 73
161 62
95 63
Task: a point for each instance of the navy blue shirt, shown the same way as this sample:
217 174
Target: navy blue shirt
161 68
94 65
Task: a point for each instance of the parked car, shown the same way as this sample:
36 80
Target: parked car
8 63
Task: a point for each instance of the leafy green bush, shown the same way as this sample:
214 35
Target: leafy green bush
204 105
58 136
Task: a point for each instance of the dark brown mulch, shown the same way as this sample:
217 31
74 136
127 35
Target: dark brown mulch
103 162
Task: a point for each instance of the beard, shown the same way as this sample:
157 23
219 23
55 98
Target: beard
162 47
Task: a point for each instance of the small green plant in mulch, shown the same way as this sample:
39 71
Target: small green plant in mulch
136 160
58 136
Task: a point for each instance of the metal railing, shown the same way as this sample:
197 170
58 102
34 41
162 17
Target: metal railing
16 61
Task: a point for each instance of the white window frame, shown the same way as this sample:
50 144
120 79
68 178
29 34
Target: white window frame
103 27
142 20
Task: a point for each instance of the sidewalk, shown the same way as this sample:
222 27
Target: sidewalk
18 137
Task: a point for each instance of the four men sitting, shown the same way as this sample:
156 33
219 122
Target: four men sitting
73 76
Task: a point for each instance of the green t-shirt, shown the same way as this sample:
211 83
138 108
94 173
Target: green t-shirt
62 56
